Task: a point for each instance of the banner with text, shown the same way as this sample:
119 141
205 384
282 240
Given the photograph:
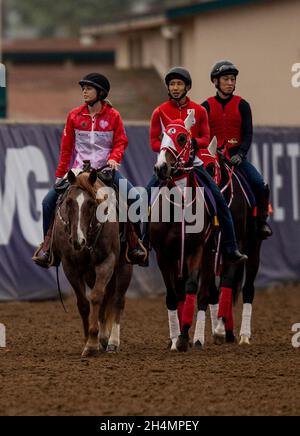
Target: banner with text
29 155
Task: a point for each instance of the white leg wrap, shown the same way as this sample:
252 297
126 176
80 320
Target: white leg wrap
199 334
214 308
114 338
220 329
173 324
246 320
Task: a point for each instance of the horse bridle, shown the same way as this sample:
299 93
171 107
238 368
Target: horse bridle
179 164
91 231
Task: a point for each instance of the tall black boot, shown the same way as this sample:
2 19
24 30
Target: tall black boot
263 229
139 255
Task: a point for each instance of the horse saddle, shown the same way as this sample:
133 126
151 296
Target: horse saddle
105 174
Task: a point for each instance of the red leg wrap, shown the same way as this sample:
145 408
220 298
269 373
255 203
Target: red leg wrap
229 320
188 310
225 303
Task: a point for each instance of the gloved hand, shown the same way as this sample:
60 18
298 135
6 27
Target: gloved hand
236 160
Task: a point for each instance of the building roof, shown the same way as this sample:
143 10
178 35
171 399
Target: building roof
57 50
204 6
53 45
161 14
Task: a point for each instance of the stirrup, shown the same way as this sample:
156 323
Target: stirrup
132 261
51 258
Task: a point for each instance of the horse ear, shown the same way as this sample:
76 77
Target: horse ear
71 177
188 122
212 148
166 119
93 177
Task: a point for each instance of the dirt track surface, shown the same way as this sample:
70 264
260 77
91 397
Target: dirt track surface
42 373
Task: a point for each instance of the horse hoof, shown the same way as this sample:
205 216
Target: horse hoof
112 348
219 339
182 343
90 352
103 343
230 338
244 340
198 345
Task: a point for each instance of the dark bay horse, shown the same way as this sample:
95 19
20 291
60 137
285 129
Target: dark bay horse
93 260
179 253
233 278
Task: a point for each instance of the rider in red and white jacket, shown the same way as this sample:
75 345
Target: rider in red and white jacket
99 138
94 132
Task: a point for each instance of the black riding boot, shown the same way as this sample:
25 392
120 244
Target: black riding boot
263 229
139 255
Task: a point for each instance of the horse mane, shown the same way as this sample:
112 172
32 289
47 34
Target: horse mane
82 181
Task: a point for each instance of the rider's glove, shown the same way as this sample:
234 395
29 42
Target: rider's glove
236 159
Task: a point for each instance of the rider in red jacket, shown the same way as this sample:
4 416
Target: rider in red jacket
175 110
94 132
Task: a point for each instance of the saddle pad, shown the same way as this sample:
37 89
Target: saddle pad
209 198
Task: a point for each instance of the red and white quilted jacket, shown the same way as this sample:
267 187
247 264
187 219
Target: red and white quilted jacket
95 138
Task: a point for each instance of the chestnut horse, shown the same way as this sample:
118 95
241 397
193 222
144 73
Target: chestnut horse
93 260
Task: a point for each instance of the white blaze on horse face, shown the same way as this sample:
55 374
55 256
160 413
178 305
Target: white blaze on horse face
80 235
166 142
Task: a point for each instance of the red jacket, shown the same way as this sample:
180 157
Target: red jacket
225 124
200 130
98 138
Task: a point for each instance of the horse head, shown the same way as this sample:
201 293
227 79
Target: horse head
176 148
81 204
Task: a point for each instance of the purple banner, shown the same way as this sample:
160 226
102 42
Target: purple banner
29 155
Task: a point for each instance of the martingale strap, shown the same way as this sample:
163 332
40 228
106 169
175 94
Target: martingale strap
244 185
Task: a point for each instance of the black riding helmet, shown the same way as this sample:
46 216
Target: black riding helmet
99 82
182 74
179 73
222 68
